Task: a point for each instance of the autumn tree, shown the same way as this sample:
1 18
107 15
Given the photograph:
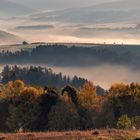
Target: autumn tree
125 99
87 95
46 101
24 110
63 116
71 92
118 89
104 116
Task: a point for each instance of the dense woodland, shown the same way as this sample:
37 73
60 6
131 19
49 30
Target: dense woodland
37 99
35 108
61 55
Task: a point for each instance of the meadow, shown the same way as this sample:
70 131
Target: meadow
108 134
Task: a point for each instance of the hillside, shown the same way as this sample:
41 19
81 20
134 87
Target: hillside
61 55
8 38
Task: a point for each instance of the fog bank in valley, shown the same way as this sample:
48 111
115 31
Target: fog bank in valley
103 75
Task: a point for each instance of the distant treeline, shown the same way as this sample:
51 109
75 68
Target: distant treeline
32 108
39 76
61 55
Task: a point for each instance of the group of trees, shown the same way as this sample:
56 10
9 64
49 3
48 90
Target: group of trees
61 55
35 108
39 76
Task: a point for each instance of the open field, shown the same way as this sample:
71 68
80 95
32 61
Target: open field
110 134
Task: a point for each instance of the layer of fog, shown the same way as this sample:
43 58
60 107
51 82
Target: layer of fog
104 75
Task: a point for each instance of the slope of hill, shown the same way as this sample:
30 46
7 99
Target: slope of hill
63 56
8 38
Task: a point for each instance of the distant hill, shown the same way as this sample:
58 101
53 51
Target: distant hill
8 38
64 56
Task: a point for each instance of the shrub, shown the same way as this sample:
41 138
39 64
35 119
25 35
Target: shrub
124 122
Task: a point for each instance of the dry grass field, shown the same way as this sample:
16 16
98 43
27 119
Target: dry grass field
110 134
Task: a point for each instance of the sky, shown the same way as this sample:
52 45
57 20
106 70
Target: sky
55 4
94 21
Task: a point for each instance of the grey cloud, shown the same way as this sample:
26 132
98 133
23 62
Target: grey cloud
34 27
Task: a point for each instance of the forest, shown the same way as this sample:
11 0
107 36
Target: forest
61 55
39 76
34 98
36 108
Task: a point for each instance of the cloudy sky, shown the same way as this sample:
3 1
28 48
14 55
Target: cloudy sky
55 4
95 21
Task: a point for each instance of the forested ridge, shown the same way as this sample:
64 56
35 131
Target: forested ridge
40 76
61 55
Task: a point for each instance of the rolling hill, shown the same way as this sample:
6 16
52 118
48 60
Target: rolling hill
8 38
